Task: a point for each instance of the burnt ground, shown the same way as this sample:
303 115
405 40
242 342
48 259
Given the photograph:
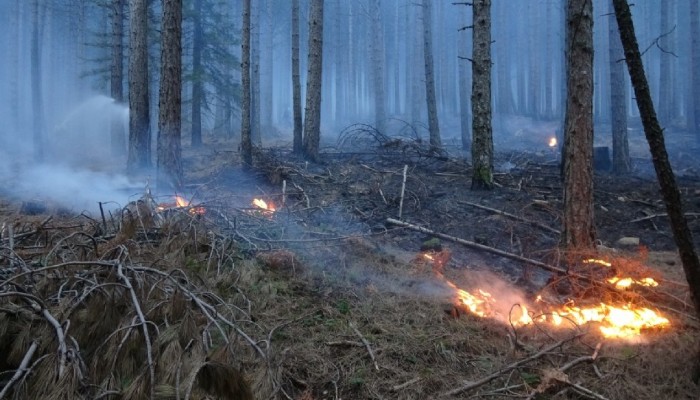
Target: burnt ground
325 299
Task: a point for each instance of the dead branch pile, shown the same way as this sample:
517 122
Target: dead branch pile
87 314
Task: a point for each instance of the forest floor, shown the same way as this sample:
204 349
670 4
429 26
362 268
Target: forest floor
326 297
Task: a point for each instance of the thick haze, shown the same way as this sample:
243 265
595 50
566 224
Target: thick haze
527 81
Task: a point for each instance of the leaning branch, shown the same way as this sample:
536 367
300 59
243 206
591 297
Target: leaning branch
485 248
512 216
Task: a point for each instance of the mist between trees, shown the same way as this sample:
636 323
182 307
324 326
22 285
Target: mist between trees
75 53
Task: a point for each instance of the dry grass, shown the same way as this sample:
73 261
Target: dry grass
235 310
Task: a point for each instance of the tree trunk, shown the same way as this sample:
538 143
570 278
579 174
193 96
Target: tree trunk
139 157
296 79
665 87
482 140
433 125
312 118
618 99
246 135
14 78
695 71
37 110
267 88
169 173
579 232
465 115
256 134
655 137
378 66
197 75
118 142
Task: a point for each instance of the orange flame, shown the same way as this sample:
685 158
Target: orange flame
624 321
552 142
181 202
260 203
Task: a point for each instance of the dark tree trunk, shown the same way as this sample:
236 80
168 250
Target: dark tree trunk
618 99
197 72
37 110
655 137
695 71
256 134
296 79
246 136
118 142
465 115
579 231
312 118
169 173
139 157
433 125
378 66
482 139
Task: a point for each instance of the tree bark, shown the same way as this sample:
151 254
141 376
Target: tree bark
169 173
312 118
197 75
296 79
433 125
246 136
465 115
256 134
139 157
579 231
37 110
482 139
378 66
117 139
665 66
657 146
618 99
695 70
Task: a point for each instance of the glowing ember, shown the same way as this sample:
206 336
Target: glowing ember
614 321
262 204
552 142
181 202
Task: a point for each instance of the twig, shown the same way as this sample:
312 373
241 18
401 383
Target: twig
367 345
21 369
487 379
586 391
344 343
512 216
403 190
485 248
144 326
406 384
648 217
562 372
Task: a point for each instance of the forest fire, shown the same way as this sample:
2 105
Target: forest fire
181 202
552 142
624 321
623 282
265 207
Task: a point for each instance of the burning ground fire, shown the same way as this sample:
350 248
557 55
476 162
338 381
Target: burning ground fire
264 205
625 321
181 202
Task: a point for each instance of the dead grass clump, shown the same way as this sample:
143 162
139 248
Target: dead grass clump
279 260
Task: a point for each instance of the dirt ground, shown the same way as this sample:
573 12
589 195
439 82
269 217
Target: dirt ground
325 298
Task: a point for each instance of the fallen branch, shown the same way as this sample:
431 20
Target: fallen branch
648 217
512 216
21 370
367 346
487 379
144 327
485 248
562 377
406 384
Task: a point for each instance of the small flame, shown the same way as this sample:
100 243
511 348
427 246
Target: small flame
260 203
181 202
552 142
